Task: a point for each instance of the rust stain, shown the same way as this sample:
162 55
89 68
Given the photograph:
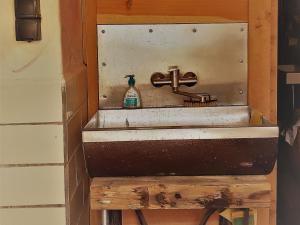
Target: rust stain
173 204
161 199
143 193
178 195
216 202
162 186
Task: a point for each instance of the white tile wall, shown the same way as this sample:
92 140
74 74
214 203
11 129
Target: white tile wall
33 216
30 73
38 60
32 185
30 101
30 144
30 92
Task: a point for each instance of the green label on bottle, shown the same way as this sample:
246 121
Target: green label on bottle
131 102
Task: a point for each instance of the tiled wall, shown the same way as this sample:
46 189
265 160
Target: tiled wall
32 190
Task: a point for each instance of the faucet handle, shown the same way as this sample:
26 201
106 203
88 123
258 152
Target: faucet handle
188 79
159 79
172 68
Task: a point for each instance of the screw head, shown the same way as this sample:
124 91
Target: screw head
242 29
150 30
103 31
241 92
241 61
194 30
104 64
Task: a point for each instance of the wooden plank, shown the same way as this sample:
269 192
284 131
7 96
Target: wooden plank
180 192
263 77
169 11
272 178
71 37
263 216
123 19
262 57
90 37
274 61
95 217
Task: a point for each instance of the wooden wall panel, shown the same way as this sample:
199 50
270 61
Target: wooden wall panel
273 210
170 11
75 104
263 57
90 51
71 37
274 61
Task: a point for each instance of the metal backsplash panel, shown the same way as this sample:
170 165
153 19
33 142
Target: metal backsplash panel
217 53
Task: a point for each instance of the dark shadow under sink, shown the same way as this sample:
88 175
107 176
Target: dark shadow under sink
179 141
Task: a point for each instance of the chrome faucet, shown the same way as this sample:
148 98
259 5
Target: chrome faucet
175 79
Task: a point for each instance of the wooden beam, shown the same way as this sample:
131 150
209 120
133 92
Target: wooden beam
170 11
180 192
90 51
263 57
272 178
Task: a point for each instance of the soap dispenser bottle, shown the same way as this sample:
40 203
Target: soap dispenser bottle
132 98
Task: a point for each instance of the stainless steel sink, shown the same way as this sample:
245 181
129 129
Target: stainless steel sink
179 141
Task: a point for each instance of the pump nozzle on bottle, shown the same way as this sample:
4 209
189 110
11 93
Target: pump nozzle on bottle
131 80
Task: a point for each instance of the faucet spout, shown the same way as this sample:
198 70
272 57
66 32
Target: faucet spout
201 97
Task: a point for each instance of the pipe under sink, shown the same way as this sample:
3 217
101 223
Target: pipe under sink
179 141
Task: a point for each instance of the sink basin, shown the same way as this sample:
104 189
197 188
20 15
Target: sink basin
179 141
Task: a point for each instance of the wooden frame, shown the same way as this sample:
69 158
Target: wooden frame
262 19
261 16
